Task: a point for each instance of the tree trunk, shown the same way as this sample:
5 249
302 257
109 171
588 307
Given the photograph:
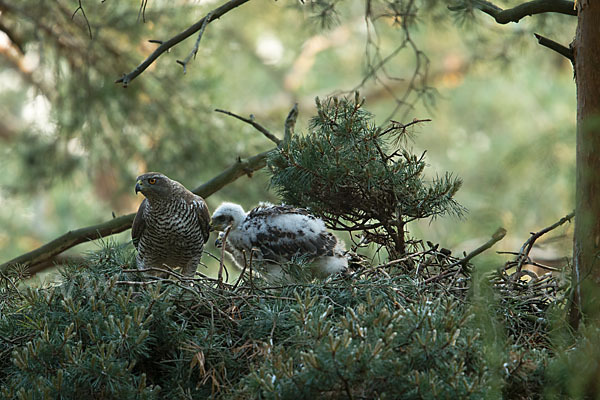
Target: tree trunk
586 250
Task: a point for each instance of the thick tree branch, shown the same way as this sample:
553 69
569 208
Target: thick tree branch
70 239
166 45
557 47
522 10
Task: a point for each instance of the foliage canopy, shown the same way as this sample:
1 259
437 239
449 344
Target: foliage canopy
359 176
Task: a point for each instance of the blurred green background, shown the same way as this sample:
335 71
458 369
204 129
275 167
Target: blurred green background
73 141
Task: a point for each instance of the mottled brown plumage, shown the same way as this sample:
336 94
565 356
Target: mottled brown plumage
171 225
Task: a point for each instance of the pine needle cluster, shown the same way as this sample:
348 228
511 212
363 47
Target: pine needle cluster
359 176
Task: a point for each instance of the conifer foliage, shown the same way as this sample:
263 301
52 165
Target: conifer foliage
359 176
104 333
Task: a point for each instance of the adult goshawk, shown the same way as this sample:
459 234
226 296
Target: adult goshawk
171 225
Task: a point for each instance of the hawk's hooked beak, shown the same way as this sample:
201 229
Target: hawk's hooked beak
138 186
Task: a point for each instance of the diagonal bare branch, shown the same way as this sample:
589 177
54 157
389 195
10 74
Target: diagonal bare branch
166 45
252 122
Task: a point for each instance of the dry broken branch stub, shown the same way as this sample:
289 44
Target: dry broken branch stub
557 47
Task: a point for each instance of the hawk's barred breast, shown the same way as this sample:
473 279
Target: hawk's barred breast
171 226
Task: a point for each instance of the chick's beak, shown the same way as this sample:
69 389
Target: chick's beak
138 186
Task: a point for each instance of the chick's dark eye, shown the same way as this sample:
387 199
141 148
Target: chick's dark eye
152 181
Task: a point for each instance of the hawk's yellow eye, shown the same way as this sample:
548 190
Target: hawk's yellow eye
152 181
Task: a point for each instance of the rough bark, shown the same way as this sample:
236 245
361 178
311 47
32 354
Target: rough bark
586 263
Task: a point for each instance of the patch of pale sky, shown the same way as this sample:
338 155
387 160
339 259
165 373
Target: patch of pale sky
4 40
269 48
75 147
36 111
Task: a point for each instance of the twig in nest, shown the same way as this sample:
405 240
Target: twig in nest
240 277
249 264
224 244
197 45
246 265
496 237
255 124
528 245
139 283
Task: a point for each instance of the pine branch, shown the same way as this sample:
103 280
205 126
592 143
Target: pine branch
515 14
166 45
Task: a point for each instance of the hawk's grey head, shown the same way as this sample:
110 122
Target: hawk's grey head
227 214
154 185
